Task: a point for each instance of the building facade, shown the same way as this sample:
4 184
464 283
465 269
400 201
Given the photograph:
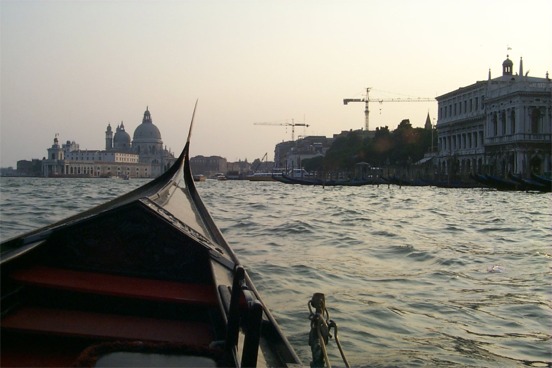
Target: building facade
500 126
208 166
288 155
144 157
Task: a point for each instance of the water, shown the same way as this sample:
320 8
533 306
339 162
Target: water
413 276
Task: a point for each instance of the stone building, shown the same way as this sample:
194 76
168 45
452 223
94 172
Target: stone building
499 126
208 166
288 155
144 157
29 168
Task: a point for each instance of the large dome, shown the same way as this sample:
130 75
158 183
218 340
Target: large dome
147 131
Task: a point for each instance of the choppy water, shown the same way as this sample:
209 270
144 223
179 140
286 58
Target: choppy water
413 276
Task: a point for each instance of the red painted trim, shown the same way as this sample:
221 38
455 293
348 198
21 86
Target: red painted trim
107 326
123 286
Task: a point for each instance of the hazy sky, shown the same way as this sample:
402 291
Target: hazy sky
72 67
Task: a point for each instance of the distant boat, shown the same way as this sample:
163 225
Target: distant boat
321 182
514 182
546 180
496 182
531 184
260 177
264 176
200 177
298 174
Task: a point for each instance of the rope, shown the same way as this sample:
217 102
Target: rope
320 333
334 325
323 346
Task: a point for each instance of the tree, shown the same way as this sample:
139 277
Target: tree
402 146
410 144
313 164
342 153
380 147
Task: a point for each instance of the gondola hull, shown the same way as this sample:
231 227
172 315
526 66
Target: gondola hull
514 183
546 181
530 184
321 182
144 280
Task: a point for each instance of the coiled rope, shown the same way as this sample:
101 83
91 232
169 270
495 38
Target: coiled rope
319 335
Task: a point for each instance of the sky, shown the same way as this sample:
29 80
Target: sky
72 67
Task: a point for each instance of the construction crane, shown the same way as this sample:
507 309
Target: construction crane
292 125
367 100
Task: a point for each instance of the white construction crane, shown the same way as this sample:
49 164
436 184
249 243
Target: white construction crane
367 100
292 125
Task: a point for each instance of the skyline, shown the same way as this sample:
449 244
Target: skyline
73 67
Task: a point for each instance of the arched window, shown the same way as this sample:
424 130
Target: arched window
535 119
513 121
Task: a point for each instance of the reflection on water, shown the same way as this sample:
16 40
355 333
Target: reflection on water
412 276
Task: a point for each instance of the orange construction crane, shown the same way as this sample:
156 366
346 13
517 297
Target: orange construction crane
292 125
367 100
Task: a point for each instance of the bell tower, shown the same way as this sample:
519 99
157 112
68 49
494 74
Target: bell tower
55 152
108 138
507 66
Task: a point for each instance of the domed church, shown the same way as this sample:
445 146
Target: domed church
146 143
143 157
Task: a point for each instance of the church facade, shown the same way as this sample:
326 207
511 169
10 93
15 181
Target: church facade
500 126
142 157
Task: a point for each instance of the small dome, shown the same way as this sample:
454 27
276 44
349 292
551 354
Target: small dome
508 62
121 137
147 131
507 67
